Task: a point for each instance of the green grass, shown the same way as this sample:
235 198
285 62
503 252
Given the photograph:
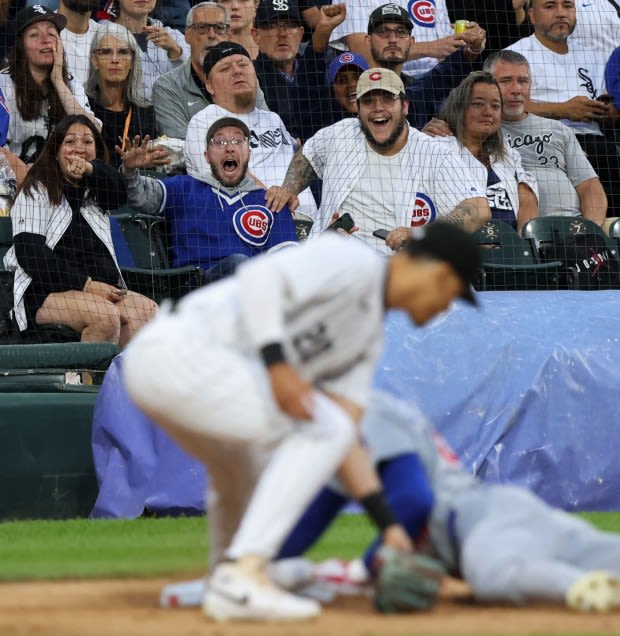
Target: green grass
83 548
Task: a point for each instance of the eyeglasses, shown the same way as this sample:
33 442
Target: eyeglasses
222 142
385 33
275 27
202 28
109 52
385 99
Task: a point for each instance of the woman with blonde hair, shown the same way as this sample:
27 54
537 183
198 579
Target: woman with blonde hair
115 87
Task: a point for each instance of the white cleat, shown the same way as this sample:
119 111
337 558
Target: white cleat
597 591
233 595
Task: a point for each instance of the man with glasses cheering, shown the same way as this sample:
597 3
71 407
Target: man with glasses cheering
216 223
181 93
295 83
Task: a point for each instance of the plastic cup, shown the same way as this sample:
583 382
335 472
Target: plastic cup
460 26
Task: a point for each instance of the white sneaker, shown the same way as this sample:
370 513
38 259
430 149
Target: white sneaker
597 591
234 595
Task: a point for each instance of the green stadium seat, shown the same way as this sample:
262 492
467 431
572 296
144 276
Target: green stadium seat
508 262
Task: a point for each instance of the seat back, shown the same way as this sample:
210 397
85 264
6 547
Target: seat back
540 231
502 244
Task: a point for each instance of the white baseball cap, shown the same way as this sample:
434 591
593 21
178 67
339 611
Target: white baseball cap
379 79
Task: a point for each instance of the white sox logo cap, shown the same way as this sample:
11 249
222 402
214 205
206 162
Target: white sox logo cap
38 13
379 79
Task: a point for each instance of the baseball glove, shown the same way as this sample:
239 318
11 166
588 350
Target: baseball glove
406 582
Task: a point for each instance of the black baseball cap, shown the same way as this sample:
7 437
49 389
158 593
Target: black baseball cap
38 13
219 52
389 13
446 242
274 10
227 121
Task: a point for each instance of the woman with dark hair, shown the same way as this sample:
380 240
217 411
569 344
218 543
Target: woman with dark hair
36 85
473 112
114 87
65 266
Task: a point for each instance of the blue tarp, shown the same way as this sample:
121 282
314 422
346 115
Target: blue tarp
525 389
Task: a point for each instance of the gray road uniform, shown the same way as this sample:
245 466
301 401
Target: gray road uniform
550 150
508 544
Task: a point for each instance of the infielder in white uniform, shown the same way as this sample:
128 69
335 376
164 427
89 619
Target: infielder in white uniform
385 173
507 543
282 354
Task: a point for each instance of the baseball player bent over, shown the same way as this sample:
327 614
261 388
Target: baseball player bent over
282 354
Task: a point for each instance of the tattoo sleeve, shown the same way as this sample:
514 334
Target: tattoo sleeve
465 215
299 174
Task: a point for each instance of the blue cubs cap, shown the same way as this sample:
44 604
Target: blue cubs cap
345 59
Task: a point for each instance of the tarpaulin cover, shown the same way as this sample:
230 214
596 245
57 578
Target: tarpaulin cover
525 389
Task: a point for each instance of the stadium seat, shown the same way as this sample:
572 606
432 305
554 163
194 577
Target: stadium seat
614 231
508 262
540 231
142 247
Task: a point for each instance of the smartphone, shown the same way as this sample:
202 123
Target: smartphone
345 222
381 233
606 99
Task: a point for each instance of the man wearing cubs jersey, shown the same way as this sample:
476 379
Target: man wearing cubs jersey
567 182
268 356
383 172
216 223
232 83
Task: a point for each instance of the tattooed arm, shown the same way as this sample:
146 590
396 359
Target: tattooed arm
469 214
298 177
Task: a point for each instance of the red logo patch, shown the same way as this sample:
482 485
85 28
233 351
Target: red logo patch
253 225
423 210
376 76
423 12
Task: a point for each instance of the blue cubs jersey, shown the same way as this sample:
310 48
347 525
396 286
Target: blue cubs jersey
208 224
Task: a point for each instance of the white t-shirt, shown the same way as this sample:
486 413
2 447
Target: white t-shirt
422 182
430 22
271 148
25 138
598 26
558 78
77 51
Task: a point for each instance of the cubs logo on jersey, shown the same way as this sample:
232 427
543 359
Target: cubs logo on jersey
422 12
253 224
423 210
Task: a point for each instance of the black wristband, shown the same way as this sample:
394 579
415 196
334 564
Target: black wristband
378 510
272 353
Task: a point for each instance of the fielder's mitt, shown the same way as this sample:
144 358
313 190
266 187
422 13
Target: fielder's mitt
406 582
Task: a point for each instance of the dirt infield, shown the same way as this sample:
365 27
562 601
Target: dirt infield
129 608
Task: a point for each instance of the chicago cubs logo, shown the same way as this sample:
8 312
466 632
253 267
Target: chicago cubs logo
346 58
253 224
423 210
422 12
375 76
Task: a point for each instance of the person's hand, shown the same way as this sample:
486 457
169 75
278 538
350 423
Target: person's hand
581 108
141 153
77 167
475 37
396 537
161 38
59 60
441 48
437 128
397 238
109 292
341 230
279 196
330 16
293 394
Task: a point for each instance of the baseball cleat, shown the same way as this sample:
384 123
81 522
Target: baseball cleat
597 591
233 595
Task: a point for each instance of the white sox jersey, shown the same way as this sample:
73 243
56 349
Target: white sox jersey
271 148
551 151
558 78
424 181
